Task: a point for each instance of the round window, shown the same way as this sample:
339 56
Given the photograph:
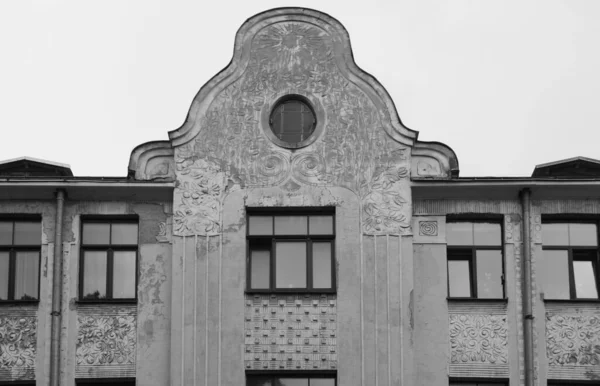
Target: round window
292 121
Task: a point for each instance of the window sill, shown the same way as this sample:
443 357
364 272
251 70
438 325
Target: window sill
19 302
106 301
291 292
479 300
566 301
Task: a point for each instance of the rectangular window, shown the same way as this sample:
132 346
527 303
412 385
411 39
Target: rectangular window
570 260
291 380
20 245
108 263
291 250
475 262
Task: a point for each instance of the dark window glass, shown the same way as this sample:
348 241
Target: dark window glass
321 255
6 232
290 380
108 260
489 274
570 260
460 283
291 251
4 274
20 247
475 263
290 263
261 269
260 225
27 233
292 121
26 275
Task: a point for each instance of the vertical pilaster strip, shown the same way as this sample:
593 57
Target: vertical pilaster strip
183 311
389 324
220 304
401 306
375 304
206 314
362 300
195 301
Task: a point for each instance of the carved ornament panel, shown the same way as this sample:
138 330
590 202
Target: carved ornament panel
18 341
105 340
476 338
573 339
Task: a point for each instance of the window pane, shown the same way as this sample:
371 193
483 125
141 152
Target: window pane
124 233
555 234
321 265
556 275
489 274
96 233
292 381
322 382
94 275
26 275
260 263
459 279
290 225
290 264
4 259
321 225
585 282
124 274
6 228
459 233
583 234
260 225
487 234
28 233
256 381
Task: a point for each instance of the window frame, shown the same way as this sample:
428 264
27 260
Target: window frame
469 253
570 249
458 381
13 249
329 374
308 238
110 249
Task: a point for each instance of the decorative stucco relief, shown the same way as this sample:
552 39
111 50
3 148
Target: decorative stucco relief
428 228
18 346
105 340
573 339
478 338
232 151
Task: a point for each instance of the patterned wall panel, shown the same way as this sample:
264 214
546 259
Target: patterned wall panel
18 341
106 341
290 332
573 341
478 339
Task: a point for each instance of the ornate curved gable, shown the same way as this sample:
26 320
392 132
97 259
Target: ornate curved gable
359 142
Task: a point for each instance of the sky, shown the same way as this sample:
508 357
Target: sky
507 84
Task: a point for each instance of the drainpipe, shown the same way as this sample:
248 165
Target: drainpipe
527 289
57 292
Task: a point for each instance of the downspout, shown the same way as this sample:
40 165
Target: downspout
57 292
525 196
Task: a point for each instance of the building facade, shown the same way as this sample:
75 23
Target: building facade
294 232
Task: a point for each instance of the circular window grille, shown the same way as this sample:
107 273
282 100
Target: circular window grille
292 121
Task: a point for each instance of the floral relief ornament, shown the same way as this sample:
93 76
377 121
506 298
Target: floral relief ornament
478 338
17 342
106 340
573 340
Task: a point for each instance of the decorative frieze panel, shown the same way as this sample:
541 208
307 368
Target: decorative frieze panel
18 342
478 338
106 342
357 147
573 339
290 332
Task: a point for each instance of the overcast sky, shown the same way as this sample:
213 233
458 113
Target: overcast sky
506 84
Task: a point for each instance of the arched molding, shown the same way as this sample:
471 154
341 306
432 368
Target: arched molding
433 159
151 161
